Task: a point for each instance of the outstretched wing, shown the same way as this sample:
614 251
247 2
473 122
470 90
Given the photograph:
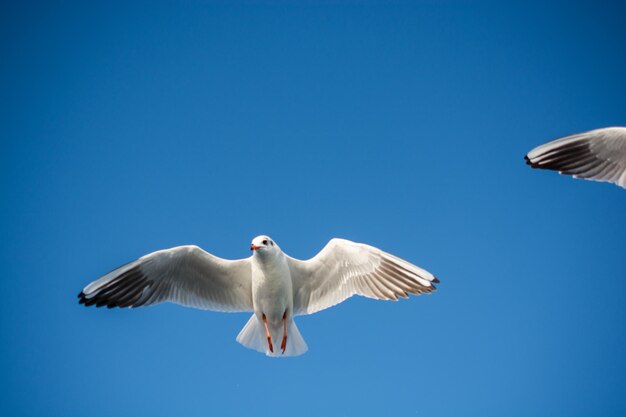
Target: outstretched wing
184 275
598 155
344 268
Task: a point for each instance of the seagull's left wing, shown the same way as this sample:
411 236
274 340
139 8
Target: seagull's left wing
344 268
598 155
184 275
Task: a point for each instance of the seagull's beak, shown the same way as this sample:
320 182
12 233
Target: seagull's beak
254 247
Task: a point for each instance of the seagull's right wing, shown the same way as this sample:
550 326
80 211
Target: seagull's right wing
344 268
184 275
598 155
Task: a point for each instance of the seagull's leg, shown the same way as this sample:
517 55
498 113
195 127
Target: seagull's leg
267 332
283 345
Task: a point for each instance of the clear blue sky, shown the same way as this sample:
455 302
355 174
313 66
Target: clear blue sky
131 128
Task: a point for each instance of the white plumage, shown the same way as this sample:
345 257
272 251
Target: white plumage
272 285
598 155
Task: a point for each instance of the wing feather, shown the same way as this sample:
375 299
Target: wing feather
344 268
597 155
185 275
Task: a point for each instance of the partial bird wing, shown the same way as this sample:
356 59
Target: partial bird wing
598 155
184 275
344 268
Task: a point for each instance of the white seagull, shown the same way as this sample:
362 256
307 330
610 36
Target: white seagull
271 284
598 155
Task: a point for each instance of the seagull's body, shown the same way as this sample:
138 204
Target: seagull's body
272 285
271 294
598 155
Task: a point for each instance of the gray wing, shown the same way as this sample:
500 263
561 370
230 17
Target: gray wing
598 155
344 268
185 275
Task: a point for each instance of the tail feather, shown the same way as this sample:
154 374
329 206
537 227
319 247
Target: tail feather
253 336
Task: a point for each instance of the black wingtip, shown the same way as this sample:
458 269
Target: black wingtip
529 162
81 298
436 280
126 290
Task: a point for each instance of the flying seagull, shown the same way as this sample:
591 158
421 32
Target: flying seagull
272 285
598 155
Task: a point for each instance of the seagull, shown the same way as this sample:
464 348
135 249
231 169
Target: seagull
272 285
597 155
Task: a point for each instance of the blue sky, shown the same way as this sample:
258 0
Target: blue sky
128 128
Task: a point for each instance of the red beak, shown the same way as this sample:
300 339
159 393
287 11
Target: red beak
254 247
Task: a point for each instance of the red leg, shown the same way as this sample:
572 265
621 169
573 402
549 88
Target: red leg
269 337
283 345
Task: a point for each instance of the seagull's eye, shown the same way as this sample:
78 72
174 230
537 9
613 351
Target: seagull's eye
272 243
265 242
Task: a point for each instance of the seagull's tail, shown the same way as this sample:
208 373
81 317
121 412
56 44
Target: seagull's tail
295 342
253 336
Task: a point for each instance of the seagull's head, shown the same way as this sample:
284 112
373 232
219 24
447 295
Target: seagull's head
264 245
